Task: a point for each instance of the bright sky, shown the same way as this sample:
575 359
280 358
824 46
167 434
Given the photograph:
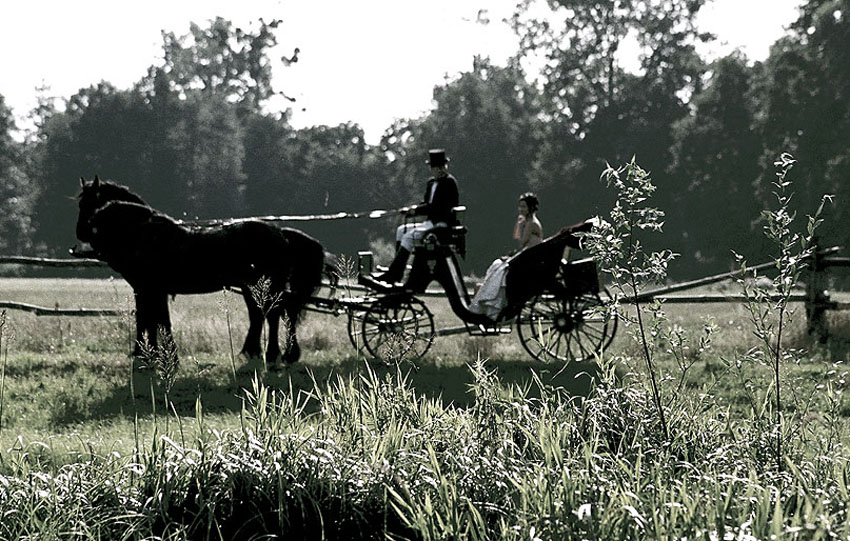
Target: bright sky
370 61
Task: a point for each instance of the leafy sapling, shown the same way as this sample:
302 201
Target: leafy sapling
768 306
618 250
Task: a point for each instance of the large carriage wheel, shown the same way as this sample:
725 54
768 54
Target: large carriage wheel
565 328
397 328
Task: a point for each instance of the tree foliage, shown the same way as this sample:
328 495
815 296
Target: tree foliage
195 138
16 190
222 60
805 109
601 104
715 156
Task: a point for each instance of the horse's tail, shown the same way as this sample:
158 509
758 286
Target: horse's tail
307 264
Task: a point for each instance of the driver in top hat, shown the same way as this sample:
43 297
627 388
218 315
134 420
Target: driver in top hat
441 195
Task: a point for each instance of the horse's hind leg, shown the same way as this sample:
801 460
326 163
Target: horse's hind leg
305 278
151 315
158 320
251 348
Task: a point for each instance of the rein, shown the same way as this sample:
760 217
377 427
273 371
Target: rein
371 214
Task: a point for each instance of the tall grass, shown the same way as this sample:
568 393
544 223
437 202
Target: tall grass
378 460
4 352
224 304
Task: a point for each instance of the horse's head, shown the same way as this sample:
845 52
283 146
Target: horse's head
116 225
95 195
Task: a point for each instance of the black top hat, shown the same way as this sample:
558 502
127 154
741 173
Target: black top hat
437 157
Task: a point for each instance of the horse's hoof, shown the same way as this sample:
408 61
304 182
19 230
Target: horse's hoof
250 355
140 364
273 358
293 354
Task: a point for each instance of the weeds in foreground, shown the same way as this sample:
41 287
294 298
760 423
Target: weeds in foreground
346 270
163 360
380 461
4 352
225 305
621 255
377 460
678 344
768 306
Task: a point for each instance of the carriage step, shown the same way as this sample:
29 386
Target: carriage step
474 330
378 285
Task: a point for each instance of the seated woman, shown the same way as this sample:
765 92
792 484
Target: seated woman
490 298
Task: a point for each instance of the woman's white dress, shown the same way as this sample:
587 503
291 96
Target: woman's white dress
491 298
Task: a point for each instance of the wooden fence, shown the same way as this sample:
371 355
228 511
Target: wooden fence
816 298
56 310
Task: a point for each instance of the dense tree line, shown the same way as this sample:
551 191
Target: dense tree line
193 138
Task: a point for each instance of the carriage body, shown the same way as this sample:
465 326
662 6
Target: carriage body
557 305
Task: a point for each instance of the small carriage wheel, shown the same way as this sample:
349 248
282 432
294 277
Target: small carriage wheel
355 326
397 328
565 328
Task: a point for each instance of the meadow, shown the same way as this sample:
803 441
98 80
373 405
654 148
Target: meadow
474 441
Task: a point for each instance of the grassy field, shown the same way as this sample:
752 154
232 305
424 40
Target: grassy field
67 374
481 431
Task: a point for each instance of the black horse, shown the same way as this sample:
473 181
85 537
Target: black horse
159 256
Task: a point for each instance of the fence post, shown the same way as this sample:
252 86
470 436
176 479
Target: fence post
817 297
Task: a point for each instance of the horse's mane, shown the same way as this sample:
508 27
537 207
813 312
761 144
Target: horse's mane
129 208
112 191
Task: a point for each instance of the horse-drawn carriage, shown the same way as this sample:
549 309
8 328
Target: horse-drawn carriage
556 304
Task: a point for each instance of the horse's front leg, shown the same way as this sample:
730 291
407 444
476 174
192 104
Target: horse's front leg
152 317
251 348
160 320
292 351
141 322
154 321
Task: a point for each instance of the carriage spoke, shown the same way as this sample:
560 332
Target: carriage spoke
564 329
584 351
561 343
397 329
592 332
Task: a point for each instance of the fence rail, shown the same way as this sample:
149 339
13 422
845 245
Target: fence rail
50 262
73 312
815 297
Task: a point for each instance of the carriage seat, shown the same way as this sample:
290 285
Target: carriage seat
450 236
438 241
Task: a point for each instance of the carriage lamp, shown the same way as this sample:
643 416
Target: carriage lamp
460 213
364 263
